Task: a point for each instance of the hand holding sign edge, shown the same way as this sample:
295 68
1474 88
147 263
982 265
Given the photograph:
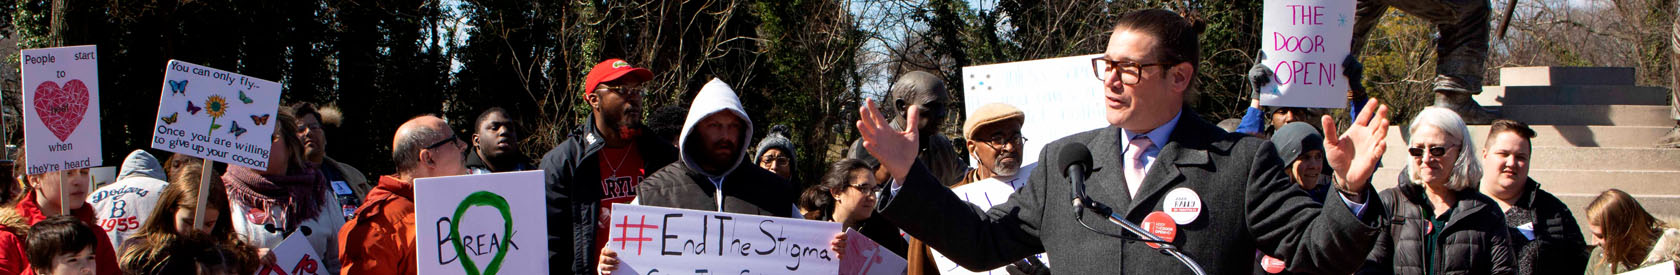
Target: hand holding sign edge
895 149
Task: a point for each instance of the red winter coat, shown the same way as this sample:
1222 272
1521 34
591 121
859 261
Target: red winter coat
14 225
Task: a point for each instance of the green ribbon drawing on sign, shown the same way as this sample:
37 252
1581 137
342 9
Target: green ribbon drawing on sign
482 198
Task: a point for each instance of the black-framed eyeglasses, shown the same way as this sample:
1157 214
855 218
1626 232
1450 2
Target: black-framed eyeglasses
1434 151
452 139
632 90
1130 72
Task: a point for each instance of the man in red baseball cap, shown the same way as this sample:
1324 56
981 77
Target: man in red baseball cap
599 164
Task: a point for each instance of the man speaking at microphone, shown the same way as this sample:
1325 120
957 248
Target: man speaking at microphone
1224 195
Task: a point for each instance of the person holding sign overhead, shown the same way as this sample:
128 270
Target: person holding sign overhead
290 196
379 239
600 163
43 195
1216 196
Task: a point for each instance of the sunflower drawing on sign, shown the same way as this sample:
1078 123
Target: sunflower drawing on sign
216 106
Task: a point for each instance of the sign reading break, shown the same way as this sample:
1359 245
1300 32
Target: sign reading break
658 240
1304 42
481 224
61 108
216 115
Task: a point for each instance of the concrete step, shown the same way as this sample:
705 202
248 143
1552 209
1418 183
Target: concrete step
1576 158
1619 115
1572 95
1566 76
1574 181
1570 135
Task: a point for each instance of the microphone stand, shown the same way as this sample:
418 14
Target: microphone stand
1164 248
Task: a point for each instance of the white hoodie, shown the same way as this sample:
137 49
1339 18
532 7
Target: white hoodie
715 97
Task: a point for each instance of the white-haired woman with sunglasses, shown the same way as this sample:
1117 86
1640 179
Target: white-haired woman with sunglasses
1440 224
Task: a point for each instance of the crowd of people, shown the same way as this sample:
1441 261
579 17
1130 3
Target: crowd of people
1281 190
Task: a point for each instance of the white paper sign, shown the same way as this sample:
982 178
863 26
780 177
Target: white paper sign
1060 96
865 257
217 115
490 223
1305 42
61 108
294 256
658 240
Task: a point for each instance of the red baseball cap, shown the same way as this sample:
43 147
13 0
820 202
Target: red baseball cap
612 70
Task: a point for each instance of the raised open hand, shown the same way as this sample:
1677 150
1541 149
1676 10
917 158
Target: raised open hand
1354 154
895 149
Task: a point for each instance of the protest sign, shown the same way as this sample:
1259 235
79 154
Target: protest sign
481 224
216 115
61 108
1061 96
865 257
659 240
1304 42
294 256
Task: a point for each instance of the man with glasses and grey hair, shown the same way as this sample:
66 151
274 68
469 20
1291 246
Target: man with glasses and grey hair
994 139
379 238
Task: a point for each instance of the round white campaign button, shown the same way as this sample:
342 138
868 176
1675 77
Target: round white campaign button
1182 205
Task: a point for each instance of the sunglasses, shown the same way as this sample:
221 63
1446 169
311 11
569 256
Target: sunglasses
1434 151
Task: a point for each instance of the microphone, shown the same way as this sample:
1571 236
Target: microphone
1075 161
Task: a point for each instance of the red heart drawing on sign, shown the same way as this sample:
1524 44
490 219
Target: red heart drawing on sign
61 108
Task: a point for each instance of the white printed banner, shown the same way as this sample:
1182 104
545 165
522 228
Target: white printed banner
1060 96
658 240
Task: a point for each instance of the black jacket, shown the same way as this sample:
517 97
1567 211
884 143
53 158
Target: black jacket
1558 245
1248 203
746 190
474 162
573 175
1473 241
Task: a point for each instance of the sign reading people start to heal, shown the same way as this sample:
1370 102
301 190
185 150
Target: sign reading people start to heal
481 224
217 115
1304 42
658 240
61 108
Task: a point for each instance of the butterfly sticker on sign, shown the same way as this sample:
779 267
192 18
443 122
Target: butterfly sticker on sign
61 108
200 111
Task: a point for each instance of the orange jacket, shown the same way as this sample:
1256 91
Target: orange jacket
380 238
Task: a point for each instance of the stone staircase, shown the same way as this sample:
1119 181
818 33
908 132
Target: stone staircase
1596 129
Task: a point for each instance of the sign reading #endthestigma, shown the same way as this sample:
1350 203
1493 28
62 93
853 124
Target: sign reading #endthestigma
217 115
659 240
1305 42
61 108
294 256
1060 96
481 224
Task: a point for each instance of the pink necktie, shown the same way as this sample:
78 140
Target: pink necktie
1135 165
